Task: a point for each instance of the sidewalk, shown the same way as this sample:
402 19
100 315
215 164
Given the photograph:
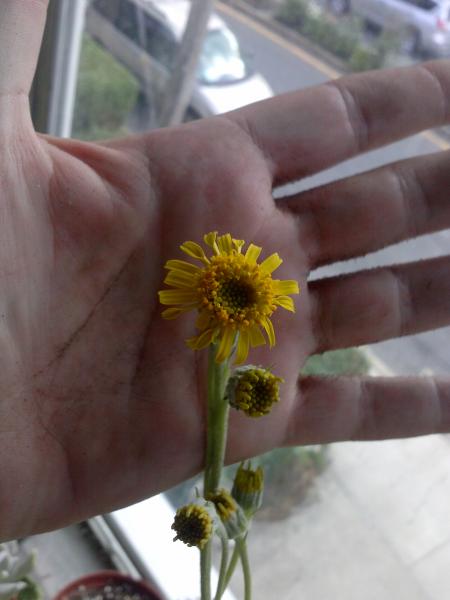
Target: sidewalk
376 527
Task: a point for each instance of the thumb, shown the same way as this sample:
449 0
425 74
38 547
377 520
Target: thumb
21 27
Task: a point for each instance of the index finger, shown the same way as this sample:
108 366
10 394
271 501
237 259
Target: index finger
301 133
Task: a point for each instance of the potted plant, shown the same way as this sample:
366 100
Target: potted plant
15 569
108 585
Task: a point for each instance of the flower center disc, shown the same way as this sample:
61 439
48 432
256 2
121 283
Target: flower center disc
235 291
235 296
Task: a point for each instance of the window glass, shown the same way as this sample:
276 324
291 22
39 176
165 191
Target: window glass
107 8
426 4
160 43
127 20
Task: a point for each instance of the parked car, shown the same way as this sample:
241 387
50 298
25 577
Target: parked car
144 36
423 25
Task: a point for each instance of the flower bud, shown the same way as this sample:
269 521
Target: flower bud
230 513
194 524
254 390
248 488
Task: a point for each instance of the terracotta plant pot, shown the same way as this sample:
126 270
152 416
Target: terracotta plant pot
108 585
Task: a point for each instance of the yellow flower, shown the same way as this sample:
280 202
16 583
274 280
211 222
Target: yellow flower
254 390
193 525
232 292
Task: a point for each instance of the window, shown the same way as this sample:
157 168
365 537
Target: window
160 42
423 4
127 21
107 8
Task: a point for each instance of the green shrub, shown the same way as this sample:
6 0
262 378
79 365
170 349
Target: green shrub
106 93
343 38
289 475
336 38
293 13
364 59
350 361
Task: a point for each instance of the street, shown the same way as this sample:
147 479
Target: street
287 68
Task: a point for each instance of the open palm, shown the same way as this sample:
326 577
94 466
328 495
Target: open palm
102 403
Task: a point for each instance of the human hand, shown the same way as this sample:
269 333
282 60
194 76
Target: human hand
102 403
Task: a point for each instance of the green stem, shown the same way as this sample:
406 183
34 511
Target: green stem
223 566
205 571
242 545
231 566
216 438
217 425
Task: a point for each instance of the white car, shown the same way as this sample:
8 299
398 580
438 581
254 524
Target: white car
144 35
423 26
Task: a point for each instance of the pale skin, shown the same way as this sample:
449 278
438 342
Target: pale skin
101 403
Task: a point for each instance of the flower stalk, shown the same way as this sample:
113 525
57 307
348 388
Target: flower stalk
235 297
216 437
217 420
221 584
243 554
205 571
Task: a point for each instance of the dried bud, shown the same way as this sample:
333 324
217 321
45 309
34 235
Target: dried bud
248 488
230 513
194 524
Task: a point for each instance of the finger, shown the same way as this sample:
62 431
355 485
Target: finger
21 27
369 408
304 132
367 212
374 305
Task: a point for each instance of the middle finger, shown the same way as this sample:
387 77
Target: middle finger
370 211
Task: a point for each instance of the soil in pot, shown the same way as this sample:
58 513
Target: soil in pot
108 586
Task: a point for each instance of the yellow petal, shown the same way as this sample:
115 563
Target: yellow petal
177 297
201 341
271 263
252 253
173 313
238 244
256 337
182 265
225 243
226 344
195 250
180 279
268 326
211 240
242 347
285 287
285 302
